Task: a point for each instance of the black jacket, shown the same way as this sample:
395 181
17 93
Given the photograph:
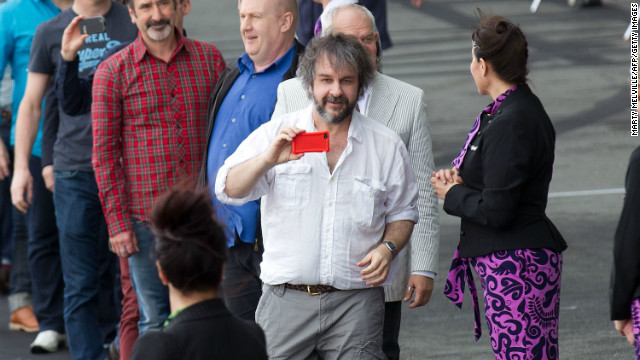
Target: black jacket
205 330
625 276
507 170
226 80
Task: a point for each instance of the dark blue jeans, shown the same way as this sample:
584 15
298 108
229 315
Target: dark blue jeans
6 208
44 254
153 297
88 267
20 277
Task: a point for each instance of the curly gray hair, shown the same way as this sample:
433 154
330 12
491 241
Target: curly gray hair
343 52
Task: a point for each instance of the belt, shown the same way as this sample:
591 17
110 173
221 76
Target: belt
311 289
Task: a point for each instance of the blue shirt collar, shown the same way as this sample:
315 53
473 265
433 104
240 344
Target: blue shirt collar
281 65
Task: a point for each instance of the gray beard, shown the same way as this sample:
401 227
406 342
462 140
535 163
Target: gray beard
334 119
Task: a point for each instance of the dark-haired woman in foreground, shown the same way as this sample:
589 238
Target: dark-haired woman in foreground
498 187
190 249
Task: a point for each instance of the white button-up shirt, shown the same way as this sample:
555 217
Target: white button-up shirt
317 225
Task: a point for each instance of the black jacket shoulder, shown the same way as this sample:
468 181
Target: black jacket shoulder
507 171
203 331
625 275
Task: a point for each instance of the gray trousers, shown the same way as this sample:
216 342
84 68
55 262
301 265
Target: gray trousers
337 325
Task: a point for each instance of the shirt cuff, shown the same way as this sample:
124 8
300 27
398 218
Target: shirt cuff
221 187
429 274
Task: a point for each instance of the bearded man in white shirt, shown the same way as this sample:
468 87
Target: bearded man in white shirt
402 108
332 222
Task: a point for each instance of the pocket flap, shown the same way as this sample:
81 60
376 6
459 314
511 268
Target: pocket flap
293 169
369 182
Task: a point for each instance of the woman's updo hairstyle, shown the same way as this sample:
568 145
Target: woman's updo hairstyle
503 45
189 243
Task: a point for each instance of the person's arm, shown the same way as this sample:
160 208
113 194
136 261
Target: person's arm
400 218
74 92
625 279
241 179
625 328
378 260
107 123
6 48
425 241
5 161
41 68
27 124
50 123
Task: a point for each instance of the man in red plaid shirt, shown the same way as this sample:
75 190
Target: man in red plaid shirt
149 122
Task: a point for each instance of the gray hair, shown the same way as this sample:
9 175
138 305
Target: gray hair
363 10
343 52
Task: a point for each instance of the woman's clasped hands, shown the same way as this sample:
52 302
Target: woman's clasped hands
444 180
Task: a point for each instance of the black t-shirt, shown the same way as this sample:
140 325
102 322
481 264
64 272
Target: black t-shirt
73 140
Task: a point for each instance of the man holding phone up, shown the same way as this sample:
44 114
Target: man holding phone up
87 265
332 222
402 108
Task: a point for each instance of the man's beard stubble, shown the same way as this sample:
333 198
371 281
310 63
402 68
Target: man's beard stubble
341 116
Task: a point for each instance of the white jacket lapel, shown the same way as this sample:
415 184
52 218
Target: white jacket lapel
382 102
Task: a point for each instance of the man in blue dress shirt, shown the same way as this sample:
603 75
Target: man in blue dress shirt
243 100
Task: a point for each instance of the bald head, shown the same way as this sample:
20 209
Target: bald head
268 29
285 6
351 12
357 21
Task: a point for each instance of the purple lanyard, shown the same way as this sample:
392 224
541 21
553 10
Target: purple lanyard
317 29
491 109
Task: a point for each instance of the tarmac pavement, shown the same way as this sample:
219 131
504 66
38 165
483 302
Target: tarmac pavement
579 67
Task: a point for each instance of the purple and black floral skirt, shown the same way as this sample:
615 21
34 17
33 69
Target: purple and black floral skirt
635 315
522 300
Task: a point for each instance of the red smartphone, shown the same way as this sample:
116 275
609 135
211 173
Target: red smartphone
311 142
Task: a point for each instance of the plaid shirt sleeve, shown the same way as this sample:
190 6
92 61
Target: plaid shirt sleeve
106 122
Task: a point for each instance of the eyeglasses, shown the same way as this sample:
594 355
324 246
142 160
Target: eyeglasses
369 39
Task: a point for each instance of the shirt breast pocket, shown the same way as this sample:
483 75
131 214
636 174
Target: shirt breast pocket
292 186
368 201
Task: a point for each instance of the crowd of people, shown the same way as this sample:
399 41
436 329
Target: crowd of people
159 210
